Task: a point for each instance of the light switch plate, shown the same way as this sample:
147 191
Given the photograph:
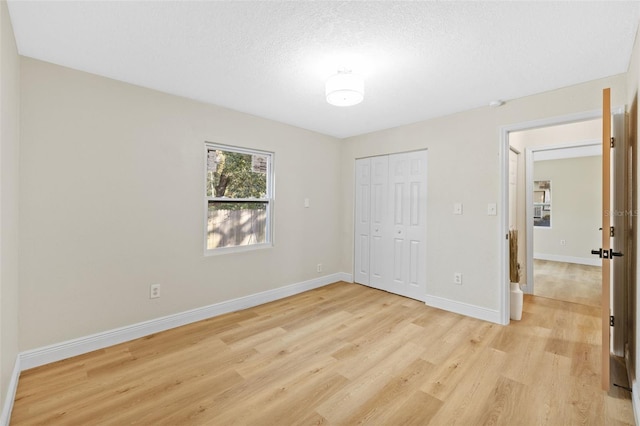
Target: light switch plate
457 208
492 209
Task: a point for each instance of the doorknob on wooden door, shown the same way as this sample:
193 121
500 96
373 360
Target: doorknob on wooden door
607 254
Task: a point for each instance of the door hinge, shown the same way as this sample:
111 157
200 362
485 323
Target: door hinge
612 143
612 232
612 321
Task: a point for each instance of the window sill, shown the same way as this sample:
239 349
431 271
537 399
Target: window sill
237 249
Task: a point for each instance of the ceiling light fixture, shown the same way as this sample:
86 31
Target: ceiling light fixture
345 88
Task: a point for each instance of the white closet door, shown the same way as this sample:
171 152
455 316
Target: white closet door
390 223
380 229
362 241
408 212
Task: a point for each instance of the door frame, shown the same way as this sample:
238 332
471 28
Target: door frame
504 196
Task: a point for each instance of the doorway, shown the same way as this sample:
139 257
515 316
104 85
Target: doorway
615 201
507 133
566 199
566 185
559 201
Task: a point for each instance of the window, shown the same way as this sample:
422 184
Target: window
238 199
542 203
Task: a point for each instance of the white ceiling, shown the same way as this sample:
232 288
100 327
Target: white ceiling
271 59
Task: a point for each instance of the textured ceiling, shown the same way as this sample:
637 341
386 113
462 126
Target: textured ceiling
271 59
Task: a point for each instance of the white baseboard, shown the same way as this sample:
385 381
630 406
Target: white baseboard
59 351
5 417
464 309
592 261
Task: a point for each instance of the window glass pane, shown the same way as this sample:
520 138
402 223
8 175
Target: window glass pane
231 224
542 203
236 175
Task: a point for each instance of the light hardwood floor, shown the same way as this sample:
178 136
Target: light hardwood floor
340 355
568 281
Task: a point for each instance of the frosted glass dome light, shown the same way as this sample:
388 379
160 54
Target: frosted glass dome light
345 89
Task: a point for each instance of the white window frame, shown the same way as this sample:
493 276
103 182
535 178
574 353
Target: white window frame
269 200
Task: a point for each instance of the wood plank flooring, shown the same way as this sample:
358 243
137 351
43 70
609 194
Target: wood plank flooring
339 355
568 281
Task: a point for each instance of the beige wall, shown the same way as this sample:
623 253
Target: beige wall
544 137
112 201
576 208
464 166
9 159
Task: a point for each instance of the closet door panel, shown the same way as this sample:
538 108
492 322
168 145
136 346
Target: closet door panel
416 229
380 249
398 185
362 243
408 188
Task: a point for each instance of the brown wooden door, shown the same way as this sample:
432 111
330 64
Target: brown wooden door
616 220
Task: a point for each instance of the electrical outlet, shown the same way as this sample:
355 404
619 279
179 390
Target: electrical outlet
319 268
154 291
457 278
